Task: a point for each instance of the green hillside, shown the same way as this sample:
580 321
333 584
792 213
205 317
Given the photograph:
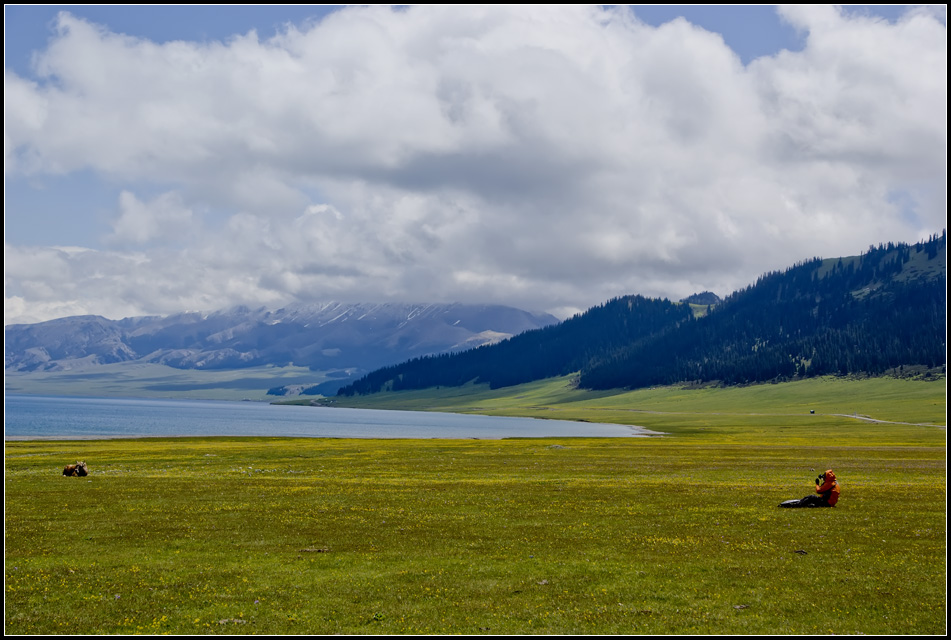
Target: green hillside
868 314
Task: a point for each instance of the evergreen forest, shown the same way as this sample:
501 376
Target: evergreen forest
868 314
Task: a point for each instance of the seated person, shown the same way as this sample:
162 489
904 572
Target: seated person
826 495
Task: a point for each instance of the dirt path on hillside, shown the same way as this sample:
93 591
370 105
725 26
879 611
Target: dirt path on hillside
854 416
868 419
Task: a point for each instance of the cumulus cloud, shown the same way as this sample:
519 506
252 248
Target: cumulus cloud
164 218
549 158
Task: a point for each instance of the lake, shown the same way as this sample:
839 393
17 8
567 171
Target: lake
49 417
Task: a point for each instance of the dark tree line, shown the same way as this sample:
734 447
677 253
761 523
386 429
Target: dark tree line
868 313
816 318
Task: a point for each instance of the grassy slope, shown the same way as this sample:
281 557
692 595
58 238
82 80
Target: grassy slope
747 413
665 535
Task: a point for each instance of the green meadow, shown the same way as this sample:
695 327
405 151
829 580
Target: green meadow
673 534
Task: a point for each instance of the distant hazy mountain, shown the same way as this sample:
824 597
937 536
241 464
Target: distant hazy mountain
320 336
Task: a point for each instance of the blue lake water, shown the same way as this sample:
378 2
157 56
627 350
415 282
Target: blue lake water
28 417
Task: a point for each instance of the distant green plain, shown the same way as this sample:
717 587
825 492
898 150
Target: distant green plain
664 535
149 380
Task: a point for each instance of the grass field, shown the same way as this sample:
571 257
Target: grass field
679 534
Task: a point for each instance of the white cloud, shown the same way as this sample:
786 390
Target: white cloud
548 158
164 218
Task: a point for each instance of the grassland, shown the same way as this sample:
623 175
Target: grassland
790 412
679 534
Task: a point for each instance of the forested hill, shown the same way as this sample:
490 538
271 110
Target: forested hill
542 353
868 313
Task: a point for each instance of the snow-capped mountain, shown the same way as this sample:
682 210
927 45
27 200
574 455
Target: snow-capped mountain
320 336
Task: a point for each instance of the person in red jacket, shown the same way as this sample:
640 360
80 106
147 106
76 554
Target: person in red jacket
826 495
829 488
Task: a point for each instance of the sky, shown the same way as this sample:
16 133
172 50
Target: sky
160 159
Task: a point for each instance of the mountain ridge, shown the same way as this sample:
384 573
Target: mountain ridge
330 335
883 309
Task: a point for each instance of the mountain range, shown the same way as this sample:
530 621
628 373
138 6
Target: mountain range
882 310
330 336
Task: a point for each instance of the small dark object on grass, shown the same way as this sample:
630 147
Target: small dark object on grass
78 469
